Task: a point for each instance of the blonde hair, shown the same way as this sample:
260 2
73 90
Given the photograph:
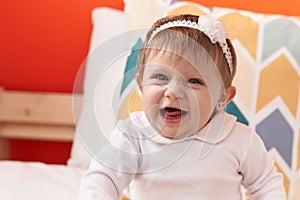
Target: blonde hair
183 39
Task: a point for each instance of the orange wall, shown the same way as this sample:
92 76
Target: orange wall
44 42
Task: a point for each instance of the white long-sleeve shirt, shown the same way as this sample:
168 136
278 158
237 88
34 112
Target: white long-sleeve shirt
212 164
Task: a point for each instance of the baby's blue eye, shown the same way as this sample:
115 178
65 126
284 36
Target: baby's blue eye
161 77
194 81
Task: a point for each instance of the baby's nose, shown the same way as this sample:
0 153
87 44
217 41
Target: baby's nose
174 90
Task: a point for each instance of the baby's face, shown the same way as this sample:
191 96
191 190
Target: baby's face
178 99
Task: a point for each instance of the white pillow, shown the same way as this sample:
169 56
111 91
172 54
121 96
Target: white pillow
107 23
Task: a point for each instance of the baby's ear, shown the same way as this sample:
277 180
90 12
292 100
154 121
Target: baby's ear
229 94
138 80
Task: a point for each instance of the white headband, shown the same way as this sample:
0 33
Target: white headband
211 27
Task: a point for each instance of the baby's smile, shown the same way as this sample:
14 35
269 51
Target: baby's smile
172 115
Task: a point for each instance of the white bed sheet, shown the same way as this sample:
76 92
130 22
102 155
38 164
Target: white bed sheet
35 181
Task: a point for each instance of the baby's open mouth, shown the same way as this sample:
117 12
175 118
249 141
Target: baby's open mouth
172 113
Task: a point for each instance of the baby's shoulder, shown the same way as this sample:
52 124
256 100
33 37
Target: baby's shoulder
130 127
241 132
241 128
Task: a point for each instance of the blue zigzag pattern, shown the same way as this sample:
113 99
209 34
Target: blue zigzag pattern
286 34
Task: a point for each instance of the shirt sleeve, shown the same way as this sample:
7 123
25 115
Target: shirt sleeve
260 177
111 171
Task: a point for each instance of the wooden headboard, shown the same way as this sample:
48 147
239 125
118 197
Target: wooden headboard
35 116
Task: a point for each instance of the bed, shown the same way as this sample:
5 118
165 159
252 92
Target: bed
256 104
36 116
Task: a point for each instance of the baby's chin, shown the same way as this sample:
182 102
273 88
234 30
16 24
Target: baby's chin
173 133
173 128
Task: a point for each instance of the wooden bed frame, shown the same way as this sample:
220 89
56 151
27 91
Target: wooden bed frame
35 116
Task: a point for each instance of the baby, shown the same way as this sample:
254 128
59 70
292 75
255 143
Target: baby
183 145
